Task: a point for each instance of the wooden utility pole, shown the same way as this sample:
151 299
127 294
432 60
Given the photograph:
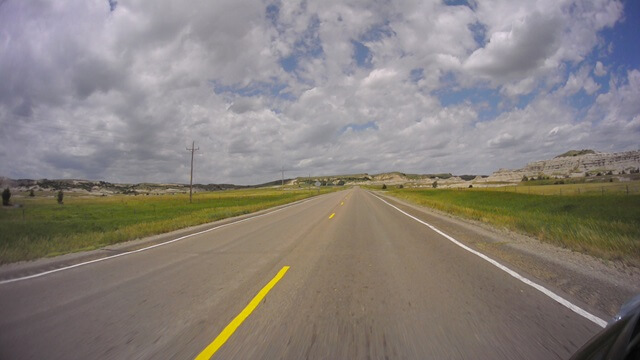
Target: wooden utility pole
193 149
282 169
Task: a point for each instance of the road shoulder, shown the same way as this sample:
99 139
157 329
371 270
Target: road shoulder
602 286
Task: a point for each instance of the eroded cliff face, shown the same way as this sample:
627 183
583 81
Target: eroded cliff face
572 166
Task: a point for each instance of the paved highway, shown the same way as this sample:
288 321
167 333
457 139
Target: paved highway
363 281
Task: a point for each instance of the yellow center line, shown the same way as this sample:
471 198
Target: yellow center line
208 352
342 203
332 215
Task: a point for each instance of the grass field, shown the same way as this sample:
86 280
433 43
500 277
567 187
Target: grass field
43 228
595 188
606 226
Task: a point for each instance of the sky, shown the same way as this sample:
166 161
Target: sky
118 90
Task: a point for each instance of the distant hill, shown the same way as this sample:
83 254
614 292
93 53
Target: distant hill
575 153
574 163
387 178
107 188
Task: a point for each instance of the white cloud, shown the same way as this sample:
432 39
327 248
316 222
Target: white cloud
615 114
521 50
599 69
581 80
117 95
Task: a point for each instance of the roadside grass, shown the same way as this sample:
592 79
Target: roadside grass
606 226
42 228
578 188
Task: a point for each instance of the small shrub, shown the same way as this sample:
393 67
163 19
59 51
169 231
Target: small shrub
435 184
6 196
400 186
32 193
60 197
525 178
384 186
470 186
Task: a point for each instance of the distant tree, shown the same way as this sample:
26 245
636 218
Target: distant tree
32 193
384 186
6 196
435 184
400 186
60 197
470 186
610 172
525 178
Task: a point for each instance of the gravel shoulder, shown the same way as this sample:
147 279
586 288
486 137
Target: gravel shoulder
601 286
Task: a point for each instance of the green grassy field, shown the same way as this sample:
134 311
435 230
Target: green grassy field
607 226
43 228
595 188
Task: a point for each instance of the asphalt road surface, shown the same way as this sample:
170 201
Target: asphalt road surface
364 281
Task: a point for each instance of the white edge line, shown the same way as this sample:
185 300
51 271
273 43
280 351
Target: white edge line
152 246
566 303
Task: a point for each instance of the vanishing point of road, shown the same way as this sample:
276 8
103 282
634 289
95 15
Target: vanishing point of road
339 276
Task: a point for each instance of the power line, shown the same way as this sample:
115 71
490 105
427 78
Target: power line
193 150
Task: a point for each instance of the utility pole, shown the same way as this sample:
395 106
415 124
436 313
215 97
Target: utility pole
282 177
193 149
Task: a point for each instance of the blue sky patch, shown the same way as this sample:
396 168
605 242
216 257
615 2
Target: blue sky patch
362 55
112 5
289 63
377 33
479 33
457 3
274 89
272 13
486 99
416 75
359 127
625 52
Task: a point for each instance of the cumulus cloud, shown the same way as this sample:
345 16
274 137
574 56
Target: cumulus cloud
117 90
581 80
599 69
615 114
519 51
